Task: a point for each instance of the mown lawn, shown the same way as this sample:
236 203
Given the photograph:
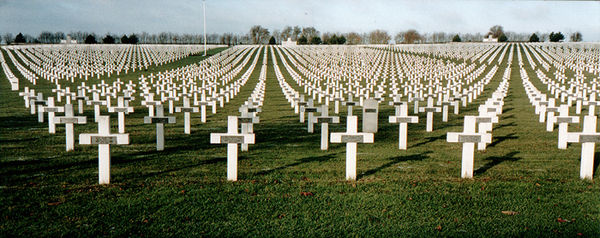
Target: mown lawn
523 184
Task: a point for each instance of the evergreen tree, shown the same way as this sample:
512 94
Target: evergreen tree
534 38
20 38
272 41
302 40
124 39
108 39
456 38
90 39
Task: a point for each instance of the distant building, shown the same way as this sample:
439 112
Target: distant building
289 42
68 41
489 38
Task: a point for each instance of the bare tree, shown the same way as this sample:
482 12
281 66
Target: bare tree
296 32
576 37
399 38
354 38
309 32
411 36
496 31
277 35
286 32
379 37
258 34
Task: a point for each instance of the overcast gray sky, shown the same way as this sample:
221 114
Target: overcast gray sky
237 16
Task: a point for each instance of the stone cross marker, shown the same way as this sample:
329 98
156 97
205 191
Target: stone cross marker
350 104
97 103
104 139
186 109
563 120
310 109
351 137
51 109
588 139
370 115
121 109
324 119
69 119
402 119
160 120
468 137
232 138
430 109
247 120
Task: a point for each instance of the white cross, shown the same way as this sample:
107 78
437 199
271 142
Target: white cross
51 109
69 119
588 139
430 109
402 119
563 120
232 138
103 139
310 109
160 119
351 137
247 119
186 109
121 109
468 137
324 119
97 103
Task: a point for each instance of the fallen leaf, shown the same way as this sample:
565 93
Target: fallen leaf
439 227
561 220
510 213
54 203
306 194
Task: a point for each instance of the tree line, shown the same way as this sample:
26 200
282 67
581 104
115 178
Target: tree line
302 35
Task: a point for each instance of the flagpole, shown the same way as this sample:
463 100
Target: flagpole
204 9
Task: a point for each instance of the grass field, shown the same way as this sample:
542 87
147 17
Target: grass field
523 184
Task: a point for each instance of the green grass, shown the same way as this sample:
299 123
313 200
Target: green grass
289 187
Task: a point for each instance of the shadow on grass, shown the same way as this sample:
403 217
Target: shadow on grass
429 140
596 162
499 139
495 160
395 160
299 162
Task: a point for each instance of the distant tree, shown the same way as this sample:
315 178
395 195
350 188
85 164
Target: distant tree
333 40
90 39
496 31
379 37
502 38
124 39
310 32
59 36
556 37
315 40
534 38
341 40
286 33
456 38
354 38
8 38
108 39
46 37
133 39
272 41
296 32
20 38
412 36
576 37
302 40
258 34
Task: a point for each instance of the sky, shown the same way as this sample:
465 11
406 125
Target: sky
237 16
